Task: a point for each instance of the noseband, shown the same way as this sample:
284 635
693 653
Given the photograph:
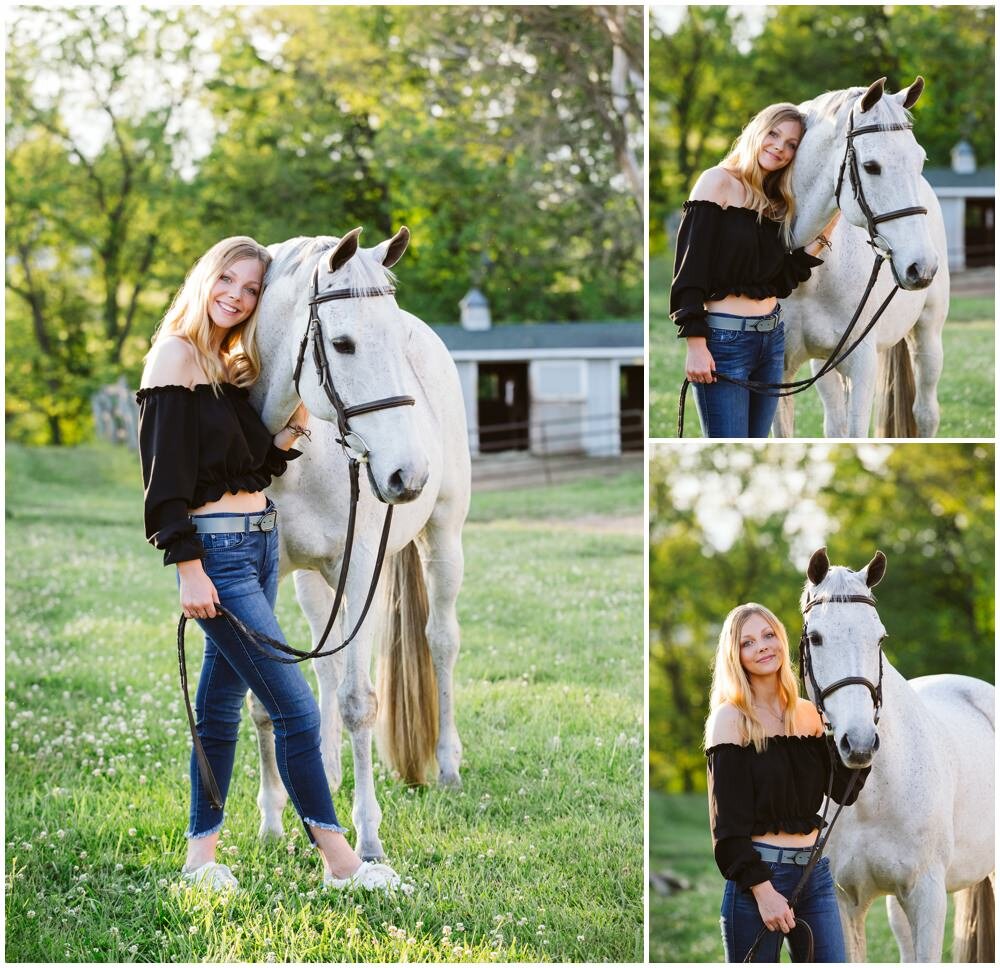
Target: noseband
850 165
805 662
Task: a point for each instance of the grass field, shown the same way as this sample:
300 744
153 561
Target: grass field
965 393
538 858
685 926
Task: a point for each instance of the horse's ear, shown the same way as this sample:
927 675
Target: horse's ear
873 95
875 570
909 96
819 565
391 251
344 250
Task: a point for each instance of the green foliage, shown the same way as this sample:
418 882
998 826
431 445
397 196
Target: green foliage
709 77
738 524
489 131
549 705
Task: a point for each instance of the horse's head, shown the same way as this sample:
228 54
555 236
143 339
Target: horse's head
886 178
363 336
842 643
878 168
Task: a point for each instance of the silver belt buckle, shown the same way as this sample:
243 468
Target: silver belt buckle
802 858
267 521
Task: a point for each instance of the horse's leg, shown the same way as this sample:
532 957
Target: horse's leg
795 356
927 353
271 796
853 912
900 925
315 598
926 906
860 370
833 396
444 564
359 709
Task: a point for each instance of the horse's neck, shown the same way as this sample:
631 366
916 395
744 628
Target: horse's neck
901 732
813 183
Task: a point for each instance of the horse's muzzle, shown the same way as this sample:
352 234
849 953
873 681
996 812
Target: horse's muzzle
404 484
917 275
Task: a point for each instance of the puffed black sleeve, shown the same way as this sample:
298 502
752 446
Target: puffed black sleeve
168 450
796 267
730 808
701 223
276 461
842 778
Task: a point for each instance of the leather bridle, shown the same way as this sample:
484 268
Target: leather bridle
805 661
357 453
850 165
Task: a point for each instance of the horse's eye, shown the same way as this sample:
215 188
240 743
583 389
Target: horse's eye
872 167
815 638
343 344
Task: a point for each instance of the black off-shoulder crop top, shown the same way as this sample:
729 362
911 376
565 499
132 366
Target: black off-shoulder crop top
194 447
726 252
782 788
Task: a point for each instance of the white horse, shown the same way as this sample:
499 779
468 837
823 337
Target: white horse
818 311
419 459
923 825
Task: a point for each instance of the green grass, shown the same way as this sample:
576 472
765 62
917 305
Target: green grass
685 926
538 857
965 392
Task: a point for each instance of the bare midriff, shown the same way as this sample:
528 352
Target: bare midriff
245 502
742 306
781 839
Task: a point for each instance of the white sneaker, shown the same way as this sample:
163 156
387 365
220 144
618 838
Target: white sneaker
373 877
216 877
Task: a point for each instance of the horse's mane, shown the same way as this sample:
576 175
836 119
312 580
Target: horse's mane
837 581
298 256
828 107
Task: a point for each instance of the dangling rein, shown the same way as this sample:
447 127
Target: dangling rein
797 386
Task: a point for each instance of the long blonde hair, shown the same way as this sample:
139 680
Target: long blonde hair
188 315
768 193
730 683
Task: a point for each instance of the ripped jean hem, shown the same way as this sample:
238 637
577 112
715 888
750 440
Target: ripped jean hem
204 833
324 826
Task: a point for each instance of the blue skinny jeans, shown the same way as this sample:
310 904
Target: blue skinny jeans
817 906
727 410
244 569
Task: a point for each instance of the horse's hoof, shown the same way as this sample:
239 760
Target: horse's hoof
270 831
450 781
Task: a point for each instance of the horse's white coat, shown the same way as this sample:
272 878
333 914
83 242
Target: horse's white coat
395 354
923 825
818 311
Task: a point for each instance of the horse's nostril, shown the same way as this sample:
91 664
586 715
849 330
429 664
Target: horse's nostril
913 272
876 743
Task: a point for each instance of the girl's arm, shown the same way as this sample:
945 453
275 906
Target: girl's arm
297 426
822 241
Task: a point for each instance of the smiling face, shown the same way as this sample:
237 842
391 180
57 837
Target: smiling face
235 293
761 651
779 145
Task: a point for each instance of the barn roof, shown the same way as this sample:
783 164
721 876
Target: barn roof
534 336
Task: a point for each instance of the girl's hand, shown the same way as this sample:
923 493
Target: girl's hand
773 908
699 366
198 594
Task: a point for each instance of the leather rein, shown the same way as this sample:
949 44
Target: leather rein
848 164
806 670
357 453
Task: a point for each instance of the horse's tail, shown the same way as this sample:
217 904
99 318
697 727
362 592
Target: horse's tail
975 918
407 728
895 393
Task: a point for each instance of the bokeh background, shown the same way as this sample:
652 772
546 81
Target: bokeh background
738 523
138 137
